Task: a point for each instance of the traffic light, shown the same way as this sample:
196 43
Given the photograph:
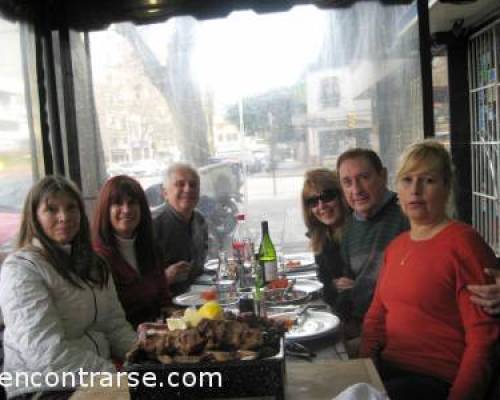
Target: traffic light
351 120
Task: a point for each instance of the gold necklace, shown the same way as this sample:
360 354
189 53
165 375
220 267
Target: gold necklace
402 263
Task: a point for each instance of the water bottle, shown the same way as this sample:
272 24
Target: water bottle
242 240
242 245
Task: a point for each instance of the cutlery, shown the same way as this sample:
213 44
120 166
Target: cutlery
289 288
296 349
301 315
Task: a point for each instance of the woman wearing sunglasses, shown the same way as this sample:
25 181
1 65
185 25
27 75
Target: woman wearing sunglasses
324 212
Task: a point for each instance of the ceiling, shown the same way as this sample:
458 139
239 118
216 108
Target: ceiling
442 16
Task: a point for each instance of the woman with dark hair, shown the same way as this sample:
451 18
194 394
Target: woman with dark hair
62 315
324 211
123 236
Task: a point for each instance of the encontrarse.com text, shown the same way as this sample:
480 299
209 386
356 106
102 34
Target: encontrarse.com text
107 379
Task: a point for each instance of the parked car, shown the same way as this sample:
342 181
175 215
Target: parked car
138 168
254 161
13 190
262 161
147 168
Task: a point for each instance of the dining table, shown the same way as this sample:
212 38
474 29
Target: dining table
322 375
321 379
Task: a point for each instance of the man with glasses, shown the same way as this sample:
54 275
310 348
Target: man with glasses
376 220
181 232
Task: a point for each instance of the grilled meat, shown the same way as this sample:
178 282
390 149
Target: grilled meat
188 341
251 339
207 341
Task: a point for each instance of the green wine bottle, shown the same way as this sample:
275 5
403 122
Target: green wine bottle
267 255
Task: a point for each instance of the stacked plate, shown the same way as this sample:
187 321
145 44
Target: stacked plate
299 262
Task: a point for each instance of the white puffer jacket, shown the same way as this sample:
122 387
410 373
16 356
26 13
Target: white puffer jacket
51 326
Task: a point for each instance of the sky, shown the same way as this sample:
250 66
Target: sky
250 54
246 53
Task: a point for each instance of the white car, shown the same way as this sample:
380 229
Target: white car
147 168
138 168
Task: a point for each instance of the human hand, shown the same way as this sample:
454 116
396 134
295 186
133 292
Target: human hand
178 272
343 283
487 296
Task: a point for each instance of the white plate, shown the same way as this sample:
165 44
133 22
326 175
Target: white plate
302 275
308 285
317 324
211 265
189 299
193 299
302 261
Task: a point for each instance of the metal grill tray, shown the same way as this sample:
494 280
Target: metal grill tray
240 378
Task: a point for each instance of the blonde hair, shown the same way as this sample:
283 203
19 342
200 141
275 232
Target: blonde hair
430 154
434 156
316 181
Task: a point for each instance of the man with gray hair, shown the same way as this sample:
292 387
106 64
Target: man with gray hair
181 232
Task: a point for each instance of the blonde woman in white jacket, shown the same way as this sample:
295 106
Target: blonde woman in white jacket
60 307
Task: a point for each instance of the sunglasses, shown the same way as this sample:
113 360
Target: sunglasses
325 197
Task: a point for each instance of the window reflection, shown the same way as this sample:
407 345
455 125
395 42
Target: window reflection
255 100
15 152
441 95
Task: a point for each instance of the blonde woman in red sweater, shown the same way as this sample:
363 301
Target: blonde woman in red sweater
429 339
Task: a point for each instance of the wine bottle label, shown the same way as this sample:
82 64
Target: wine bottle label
270 270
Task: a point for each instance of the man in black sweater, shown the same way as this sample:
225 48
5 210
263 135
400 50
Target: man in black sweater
181 232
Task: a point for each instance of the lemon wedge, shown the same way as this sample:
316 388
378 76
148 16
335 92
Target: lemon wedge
211 310
176 324
191 317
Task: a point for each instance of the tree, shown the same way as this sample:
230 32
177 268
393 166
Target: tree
175 83
280 105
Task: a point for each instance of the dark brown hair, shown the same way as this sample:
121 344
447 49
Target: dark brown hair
113 192
368 154
82 264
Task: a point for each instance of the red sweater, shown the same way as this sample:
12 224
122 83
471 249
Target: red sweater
141 296
422 316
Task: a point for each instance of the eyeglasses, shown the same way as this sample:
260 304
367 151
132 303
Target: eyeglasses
325 197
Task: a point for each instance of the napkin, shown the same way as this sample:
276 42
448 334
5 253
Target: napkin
361 391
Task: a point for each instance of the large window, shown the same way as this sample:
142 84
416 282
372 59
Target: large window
441 96
16 166
253 101
484 92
